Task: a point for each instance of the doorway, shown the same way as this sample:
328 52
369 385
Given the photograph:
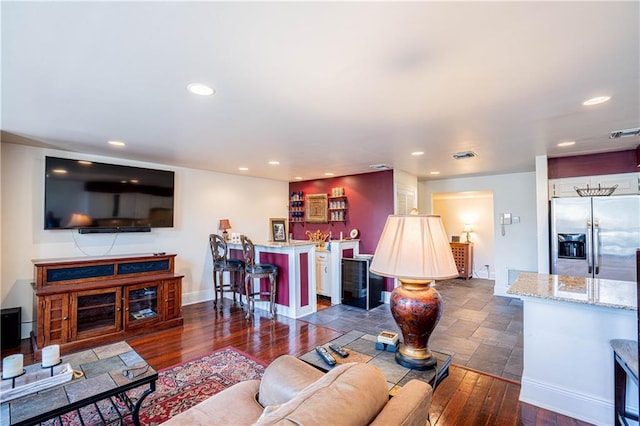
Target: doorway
470 215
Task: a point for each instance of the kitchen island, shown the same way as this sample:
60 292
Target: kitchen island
296 281
567 326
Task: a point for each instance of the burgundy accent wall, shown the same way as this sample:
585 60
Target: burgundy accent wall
638 156
606 163
304 279
369 199
282 281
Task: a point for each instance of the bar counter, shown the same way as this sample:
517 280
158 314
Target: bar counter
568 323
296 281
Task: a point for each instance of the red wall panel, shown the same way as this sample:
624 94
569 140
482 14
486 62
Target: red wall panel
606 163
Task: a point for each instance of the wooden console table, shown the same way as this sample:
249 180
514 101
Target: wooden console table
463 256
82 302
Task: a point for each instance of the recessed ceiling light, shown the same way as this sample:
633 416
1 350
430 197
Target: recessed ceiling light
597 100
274 163
298 178
200 89
416 153
116 143
328 174
59 171
434 173
567 143
84 162
243 169
134 181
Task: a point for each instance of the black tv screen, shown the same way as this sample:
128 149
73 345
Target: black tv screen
99 197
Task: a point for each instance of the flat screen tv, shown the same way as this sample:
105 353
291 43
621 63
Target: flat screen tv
98 197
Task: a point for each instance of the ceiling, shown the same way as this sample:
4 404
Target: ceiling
322 86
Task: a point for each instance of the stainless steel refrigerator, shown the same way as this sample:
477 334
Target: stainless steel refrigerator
595 236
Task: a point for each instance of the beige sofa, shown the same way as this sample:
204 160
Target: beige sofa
292 392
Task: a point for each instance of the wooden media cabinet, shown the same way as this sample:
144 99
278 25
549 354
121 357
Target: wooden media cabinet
83 302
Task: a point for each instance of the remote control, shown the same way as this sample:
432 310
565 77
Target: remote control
325 355
339 350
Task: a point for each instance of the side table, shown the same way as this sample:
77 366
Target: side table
361 348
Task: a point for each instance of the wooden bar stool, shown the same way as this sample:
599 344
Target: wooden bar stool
258 270
222 264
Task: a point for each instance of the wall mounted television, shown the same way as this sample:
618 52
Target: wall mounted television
97 197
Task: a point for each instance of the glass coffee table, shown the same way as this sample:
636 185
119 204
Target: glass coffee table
103 394
361 348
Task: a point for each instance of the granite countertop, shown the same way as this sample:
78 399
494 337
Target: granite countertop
294 243
590 291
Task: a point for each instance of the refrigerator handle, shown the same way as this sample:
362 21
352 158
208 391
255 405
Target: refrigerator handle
596 234
589 245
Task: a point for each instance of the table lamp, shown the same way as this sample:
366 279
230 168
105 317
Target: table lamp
415 249
468 230
224 225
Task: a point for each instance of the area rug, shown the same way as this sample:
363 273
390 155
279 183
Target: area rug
178 388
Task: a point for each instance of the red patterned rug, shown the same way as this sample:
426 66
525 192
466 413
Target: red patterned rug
179 388
183 386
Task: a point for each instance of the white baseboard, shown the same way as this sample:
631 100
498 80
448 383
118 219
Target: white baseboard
583 407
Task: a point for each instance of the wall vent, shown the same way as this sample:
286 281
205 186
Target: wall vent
624 133
380 167
464 154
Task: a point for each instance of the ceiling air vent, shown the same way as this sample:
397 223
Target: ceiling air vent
624 133
464 154
380 167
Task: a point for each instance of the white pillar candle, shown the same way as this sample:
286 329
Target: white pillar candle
12 366
50 355
340 235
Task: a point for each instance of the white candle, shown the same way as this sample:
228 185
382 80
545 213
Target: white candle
340 235
50 355
12 366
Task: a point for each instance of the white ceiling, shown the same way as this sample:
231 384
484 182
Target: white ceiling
322 87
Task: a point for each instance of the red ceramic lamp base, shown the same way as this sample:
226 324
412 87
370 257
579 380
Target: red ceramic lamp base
416 308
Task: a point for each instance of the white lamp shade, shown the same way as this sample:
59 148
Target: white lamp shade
414 247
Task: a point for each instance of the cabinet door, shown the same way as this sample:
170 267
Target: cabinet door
141 307
96 312
171 299
566 187
322 274
54 327
627 183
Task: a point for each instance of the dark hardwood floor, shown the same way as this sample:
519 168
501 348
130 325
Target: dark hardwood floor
466 397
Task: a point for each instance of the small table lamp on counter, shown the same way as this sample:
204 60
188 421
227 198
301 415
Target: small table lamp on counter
224 225
468 230
415 250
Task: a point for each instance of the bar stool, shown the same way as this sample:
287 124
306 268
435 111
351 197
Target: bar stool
625 364
258 270
222 264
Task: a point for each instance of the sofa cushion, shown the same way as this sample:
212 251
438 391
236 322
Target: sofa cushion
350 394
236 405
410 406
284 378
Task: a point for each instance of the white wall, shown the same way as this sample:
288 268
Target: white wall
202 199
512 193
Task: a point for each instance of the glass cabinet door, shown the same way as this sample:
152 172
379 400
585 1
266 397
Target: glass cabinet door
96 312
141 304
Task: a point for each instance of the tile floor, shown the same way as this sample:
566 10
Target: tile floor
480 330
